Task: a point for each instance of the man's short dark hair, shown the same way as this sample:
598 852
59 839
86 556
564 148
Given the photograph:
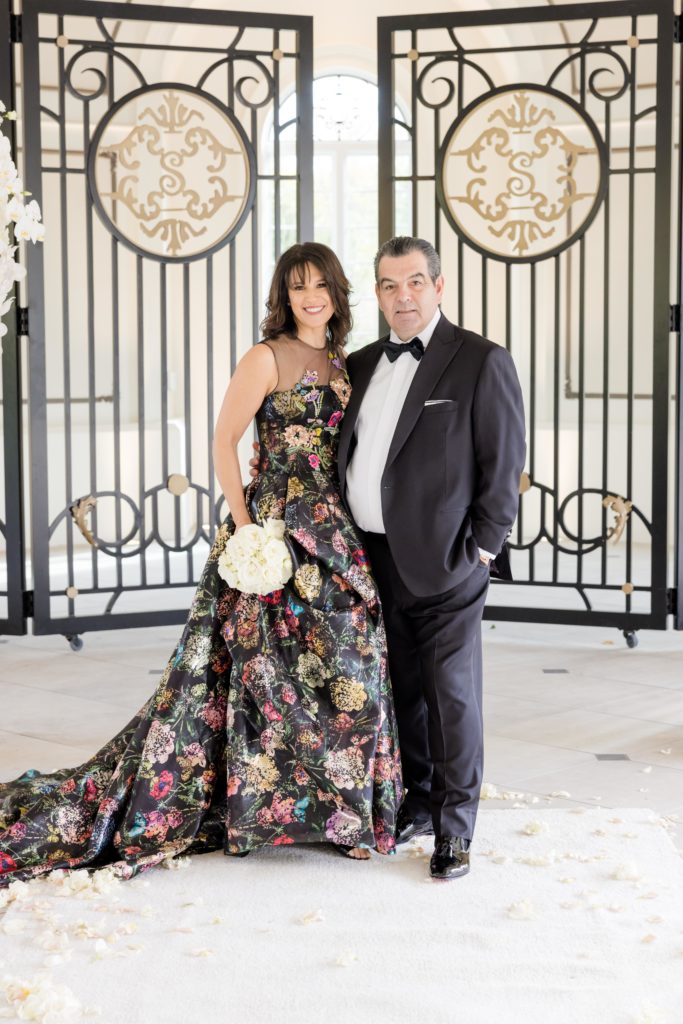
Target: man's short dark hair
402 245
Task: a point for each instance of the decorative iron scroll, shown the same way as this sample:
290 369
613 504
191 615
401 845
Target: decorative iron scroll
514 165
172 172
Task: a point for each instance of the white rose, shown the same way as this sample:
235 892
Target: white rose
255 560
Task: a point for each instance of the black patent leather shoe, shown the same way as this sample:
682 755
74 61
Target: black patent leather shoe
408 827
451 857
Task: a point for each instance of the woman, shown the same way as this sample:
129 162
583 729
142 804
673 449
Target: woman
273 722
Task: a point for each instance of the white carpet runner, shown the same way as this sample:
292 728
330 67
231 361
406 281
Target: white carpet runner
566 918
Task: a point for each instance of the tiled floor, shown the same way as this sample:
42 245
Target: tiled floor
555 698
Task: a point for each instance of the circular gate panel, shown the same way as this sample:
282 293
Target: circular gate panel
171 172
522 173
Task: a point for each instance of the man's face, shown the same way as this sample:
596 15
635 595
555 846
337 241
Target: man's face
406 293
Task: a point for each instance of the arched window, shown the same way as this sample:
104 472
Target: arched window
345 185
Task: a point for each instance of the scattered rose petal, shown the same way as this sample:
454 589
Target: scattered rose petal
500 858
560 794
534 828
626 873
488 791
647 770
648 938
202 952
523 910
313 917
665 750
39 999
651 1015
346 959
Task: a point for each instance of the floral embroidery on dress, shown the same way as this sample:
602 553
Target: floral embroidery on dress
272 722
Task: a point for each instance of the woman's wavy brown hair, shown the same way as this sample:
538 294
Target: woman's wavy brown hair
291 267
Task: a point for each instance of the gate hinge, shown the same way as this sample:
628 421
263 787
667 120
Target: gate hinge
28 604
675 318
672 601
16 28
22 320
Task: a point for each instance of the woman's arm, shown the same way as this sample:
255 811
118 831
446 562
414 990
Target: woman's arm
253 379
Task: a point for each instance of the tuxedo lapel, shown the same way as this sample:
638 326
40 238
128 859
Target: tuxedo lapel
366 360
441 349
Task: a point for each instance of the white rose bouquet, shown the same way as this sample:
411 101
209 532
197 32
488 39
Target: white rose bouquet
256 559
24 217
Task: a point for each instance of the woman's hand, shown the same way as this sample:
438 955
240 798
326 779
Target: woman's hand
254 462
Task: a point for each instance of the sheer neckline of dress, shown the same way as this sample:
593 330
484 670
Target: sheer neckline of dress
299 364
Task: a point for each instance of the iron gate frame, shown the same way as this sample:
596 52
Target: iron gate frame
37 601
663 599
12 528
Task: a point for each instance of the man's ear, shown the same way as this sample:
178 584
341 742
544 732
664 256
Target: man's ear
439 285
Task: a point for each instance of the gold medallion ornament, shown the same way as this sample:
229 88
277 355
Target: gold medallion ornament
171 172
522 173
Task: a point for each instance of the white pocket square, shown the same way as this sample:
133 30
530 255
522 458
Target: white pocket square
440 401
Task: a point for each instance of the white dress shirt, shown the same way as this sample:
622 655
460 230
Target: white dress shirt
377 418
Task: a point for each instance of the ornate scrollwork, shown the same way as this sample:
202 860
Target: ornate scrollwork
451 58
589 54
80 510
179 184
510 172
555 512
622 510
73 68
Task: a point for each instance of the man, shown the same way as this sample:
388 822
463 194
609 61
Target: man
430 456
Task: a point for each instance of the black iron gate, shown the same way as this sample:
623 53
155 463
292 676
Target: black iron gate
152 141
12 578
536 152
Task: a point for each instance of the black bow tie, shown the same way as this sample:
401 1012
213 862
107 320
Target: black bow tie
393 350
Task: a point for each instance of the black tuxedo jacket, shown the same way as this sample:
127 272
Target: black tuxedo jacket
451 481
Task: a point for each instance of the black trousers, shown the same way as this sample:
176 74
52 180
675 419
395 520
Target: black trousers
435 664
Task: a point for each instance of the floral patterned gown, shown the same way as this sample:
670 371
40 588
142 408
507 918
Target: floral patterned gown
272 723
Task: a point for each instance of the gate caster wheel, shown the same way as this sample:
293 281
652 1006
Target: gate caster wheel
75 642
631 638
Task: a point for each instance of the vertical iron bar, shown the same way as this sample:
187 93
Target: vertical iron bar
163 340
532 393
187 382
116 376
678 540
414 169
255 282
66 327
661 338
630 302
304 135
90 320
556 413
606 339
12 425
32 132
209 394
277 184
385 139
581 400
141 414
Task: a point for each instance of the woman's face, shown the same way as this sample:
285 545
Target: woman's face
309 298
